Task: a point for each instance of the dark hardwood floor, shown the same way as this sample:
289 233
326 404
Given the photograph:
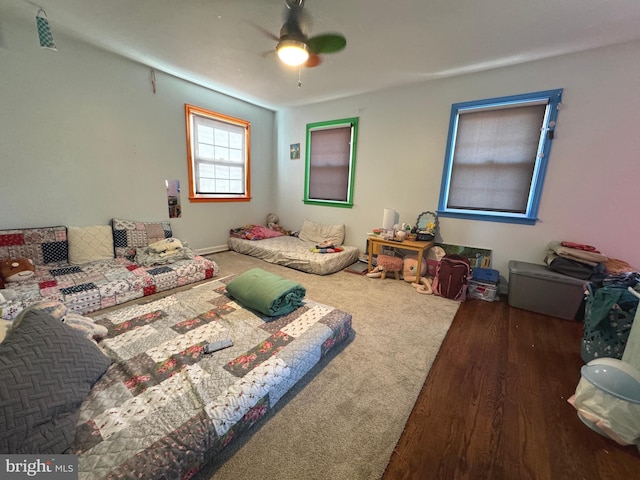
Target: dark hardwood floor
494 405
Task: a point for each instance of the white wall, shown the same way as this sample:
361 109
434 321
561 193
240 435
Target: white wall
590 189
83 139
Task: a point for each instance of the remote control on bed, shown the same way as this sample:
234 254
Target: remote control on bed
219 345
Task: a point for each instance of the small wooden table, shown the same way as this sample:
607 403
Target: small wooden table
375 242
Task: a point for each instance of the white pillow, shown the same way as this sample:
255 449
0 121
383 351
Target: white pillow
87 244
318 233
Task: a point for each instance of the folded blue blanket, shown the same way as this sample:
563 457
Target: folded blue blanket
266 292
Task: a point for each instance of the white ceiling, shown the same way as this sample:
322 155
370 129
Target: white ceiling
389 42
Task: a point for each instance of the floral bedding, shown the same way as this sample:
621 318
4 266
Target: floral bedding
164 408
256 232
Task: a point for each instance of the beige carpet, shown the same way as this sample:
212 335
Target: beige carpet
343 420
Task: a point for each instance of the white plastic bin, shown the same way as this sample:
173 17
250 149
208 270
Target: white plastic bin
607 399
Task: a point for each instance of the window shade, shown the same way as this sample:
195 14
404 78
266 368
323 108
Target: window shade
495 157
329 164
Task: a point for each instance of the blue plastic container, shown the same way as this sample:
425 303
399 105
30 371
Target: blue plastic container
485 275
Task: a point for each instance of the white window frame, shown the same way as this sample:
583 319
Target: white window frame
195 116
552 99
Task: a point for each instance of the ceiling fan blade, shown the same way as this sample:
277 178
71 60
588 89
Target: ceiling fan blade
267 53
327 43
265 32
313 61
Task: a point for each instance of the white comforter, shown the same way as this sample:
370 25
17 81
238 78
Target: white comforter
295 253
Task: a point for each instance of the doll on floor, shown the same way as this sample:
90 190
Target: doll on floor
410 267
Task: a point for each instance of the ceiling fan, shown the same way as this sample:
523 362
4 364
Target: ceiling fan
295 48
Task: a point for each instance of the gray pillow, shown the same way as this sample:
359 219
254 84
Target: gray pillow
46 371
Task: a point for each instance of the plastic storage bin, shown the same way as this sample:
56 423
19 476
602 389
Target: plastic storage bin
485 275
535 288
482 290
608 399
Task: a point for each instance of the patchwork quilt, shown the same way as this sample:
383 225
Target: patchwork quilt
164 408
101 284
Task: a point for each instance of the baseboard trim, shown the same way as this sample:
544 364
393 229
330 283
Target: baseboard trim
214 249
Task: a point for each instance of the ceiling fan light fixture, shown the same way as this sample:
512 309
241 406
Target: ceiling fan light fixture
293 52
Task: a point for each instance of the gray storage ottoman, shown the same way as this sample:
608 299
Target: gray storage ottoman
535 288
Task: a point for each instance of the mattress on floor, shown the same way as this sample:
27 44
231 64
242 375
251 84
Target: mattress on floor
295 253
164 408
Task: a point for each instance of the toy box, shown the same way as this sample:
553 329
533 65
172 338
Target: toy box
535 288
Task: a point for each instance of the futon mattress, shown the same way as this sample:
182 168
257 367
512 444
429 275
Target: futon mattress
164 408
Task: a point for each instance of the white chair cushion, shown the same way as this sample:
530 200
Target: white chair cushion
88 244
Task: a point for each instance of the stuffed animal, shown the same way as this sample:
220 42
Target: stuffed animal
386 264
16 269
410 267
272 221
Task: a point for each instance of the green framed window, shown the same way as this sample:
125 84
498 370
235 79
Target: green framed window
330 162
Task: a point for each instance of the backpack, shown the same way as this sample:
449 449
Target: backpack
451 277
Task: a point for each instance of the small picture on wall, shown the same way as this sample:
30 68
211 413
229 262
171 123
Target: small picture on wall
294 151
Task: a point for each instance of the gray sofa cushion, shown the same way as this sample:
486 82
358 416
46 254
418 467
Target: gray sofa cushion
46 371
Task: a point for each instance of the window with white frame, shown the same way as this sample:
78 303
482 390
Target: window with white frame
218 156
496 158
330 162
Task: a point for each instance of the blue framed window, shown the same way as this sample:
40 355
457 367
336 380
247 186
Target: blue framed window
496 157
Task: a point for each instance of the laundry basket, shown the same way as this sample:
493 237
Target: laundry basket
608 318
